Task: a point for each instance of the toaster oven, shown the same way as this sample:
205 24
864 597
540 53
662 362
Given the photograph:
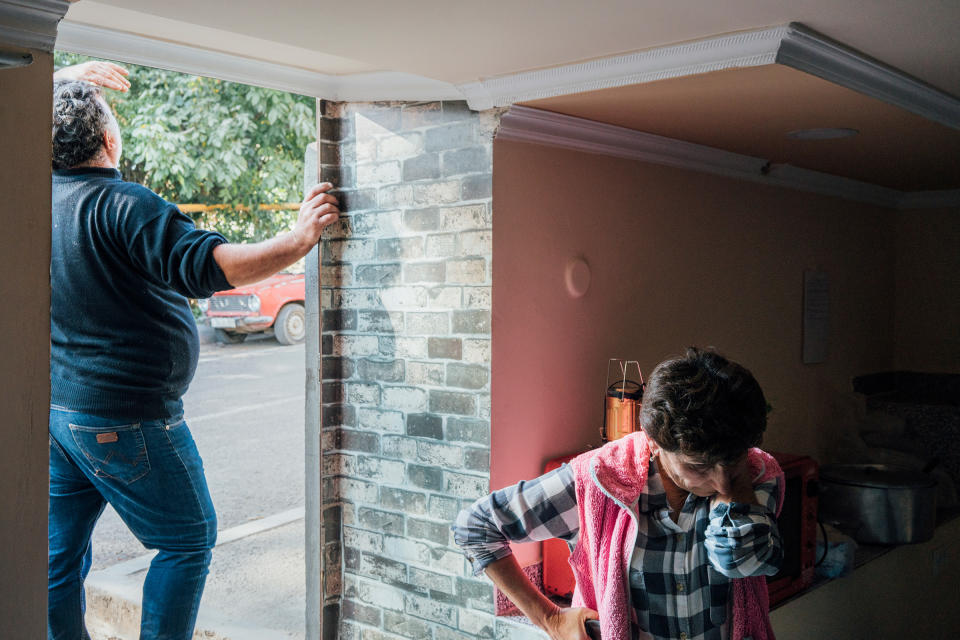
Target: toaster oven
798 527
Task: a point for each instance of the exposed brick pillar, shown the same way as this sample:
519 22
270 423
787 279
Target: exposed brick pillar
406 294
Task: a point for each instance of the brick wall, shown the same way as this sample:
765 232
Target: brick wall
405 295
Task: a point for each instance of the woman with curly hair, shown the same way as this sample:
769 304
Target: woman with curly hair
672 529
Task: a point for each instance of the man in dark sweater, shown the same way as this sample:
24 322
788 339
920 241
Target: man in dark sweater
124 348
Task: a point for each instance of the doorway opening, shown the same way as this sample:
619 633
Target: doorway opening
231 156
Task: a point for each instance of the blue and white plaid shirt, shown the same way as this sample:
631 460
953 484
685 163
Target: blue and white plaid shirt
680 572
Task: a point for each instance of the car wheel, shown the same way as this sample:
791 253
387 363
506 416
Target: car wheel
229 337
291 325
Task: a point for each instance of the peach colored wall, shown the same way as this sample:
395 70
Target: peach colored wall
678 258
25 344
927 326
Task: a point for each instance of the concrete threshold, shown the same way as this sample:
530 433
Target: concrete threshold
114 594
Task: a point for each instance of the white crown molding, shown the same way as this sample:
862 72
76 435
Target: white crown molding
534 126
31 23
790 177
743 49
817 55
792 45
136 49
524 124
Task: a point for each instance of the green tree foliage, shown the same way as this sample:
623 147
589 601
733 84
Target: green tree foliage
205 141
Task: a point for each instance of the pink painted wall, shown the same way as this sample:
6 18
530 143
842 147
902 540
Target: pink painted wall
678 258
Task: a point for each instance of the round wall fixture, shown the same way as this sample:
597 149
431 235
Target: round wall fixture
822 134
576 276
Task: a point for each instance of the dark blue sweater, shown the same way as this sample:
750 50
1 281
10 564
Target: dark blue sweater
124 261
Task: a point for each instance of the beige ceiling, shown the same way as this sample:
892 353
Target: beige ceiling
462 41
750 110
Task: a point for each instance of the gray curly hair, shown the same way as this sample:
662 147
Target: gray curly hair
79 122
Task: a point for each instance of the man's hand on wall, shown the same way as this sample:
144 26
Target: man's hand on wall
248 263
318 211
102 74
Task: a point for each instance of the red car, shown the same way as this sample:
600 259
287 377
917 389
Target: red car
275 303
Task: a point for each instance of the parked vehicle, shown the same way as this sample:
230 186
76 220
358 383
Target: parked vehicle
273 304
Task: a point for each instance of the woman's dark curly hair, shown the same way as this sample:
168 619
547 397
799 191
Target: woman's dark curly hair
79 121
705 407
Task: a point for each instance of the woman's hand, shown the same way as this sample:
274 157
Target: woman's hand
560 624
102 74
734 484
567 623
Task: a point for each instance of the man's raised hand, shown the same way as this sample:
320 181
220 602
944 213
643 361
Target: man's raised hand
102 74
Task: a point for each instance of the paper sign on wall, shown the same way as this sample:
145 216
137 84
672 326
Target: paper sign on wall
816 316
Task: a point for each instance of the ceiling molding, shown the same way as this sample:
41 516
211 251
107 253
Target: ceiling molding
31 23
360 87
793 45
743 49
535 126
810 52
524 124
790 177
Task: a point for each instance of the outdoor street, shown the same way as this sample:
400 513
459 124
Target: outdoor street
245 410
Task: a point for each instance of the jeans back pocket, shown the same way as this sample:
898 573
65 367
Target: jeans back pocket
116 451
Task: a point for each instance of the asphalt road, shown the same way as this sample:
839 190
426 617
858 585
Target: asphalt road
245 410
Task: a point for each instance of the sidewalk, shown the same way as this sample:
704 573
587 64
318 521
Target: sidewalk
255 590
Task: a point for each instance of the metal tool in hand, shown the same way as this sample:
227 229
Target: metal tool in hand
593 629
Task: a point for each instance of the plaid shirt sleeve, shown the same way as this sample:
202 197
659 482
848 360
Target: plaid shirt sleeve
539 509
742 540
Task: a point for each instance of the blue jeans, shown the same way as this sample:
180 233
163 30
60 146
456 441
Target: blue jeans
151 473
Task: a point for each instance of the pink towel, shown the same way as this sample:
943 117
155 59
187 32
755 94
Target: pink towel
604 547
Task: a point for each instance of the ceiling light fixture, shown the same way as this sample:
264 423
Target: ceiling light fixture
822 134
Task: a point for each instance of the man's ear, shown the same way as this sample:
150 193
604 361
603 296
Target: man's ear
109 141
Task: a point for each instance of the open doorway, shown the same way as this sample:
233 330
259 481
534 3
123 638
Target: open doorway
232 156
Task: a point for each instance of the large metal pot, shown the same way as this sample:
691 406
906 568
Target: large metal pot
878 504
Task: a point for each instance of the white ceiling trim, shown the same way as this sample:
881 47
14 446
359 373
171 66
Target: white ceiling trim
744 49
31 23
817 55
535 126
137 49
792 45
524 124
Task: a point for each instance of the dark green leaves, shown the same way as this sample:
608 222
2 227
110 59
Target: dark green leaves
205 141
